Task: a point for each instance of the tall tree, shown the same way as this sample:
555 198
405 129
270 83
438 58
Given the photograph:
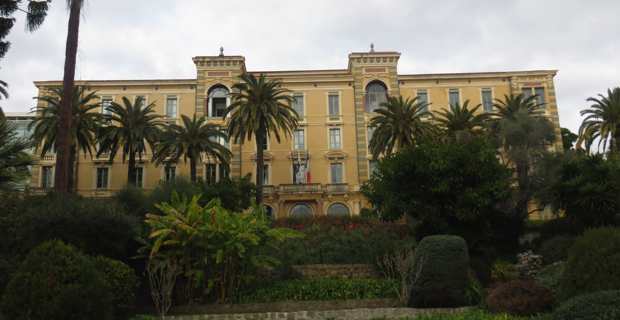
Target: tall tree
399 123
525 135
14 158
260 108
63 153
131 126
84 123
36 12
4 93
602 121
568 139
462 119
192 140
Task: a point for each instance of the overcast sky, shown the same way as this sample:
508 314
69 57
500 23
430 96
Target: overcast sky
138 39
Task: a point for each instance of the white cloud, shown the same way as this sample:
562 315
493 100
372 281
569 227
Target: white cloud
157 38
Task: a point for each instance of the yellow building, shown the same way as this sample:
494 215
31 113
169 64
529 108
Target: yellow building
321 168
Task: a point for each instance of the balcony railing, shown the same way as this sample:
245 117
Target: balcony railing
49 157
268 190
337 188
300 188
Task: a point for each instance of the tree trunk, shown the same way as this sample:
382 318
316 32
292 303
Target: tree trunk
131 168
260 161
192 169
63 137
523 198
73 169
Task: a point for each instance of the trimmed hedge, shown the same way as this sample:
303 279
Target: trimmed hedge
556 248
441 264
520 297
593 263
602 305
322 289
550 277
121 280
57 282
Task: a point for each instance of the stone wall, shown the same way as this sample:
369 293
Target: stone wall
348 314
312 271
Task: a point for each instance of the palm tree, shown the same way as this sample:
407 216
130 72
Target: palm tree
602 121
35 15
460 119
63 158
399 123
84 123
14 158
132 127
260 108
4 93
524 135
190 141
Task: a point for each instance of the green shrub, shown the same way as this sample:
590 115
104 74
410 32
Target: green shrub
473 315
322 289
550 277
593 263
441 264
520 297
503 271
122 282
57 282
556 248
602 305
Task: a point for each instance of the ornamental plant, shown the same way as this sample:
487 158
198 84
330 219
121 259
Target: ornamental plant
218 250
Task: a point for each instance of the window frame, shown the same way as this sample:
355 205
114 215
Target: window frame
304 144
342 173
335 117
450 92
176 112
492 92
210 97
50 181
366 94
428 97
329 138
103 107
107 182
294 96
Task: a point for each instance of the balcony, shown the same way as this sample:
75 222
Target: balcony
48 157
337 188
269 190
300 188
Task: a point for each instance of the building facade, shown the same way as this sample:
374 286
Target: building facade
319 170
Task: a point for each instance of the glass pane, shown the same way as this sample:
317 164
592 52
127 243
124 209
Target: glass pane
336 173
171 107
266 175
301 211
224 171
334 106
299 173
334 138
298 105
540 95
218 107
299 140
338 210
423 98
454 96
527 92
487 100
210 173
105 103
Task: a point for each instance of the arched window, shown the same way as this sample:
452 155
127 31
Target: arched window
301 211
218 101
269 212
376 94
338 210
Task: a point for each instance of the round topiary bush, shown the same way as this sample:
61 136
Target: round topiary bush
556 249
122 282
602 305
441 279
57 282
592 263
520 297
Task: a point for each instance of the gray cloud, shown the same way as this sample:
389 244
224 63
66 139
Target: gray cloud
157 38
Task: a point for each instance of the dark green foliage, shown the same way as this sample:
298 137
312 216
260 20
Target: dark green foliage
602 305
342 240
14 156
593 263
550 277
451 188
57 282
568 139
122 283
558 227
520 297
322 289
556 248
441 264
586 187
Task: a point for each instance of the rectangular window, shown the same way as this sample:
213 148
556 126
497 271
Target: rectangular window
487 99
299 140
106 102
218 107
540 95
102 178
170 173
334 106
336 173
211 173
298 105
47 177
223 140
454 97
171 106
527 92
266 175
299 173
139 177
422 95
142 100
335 139
223 172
